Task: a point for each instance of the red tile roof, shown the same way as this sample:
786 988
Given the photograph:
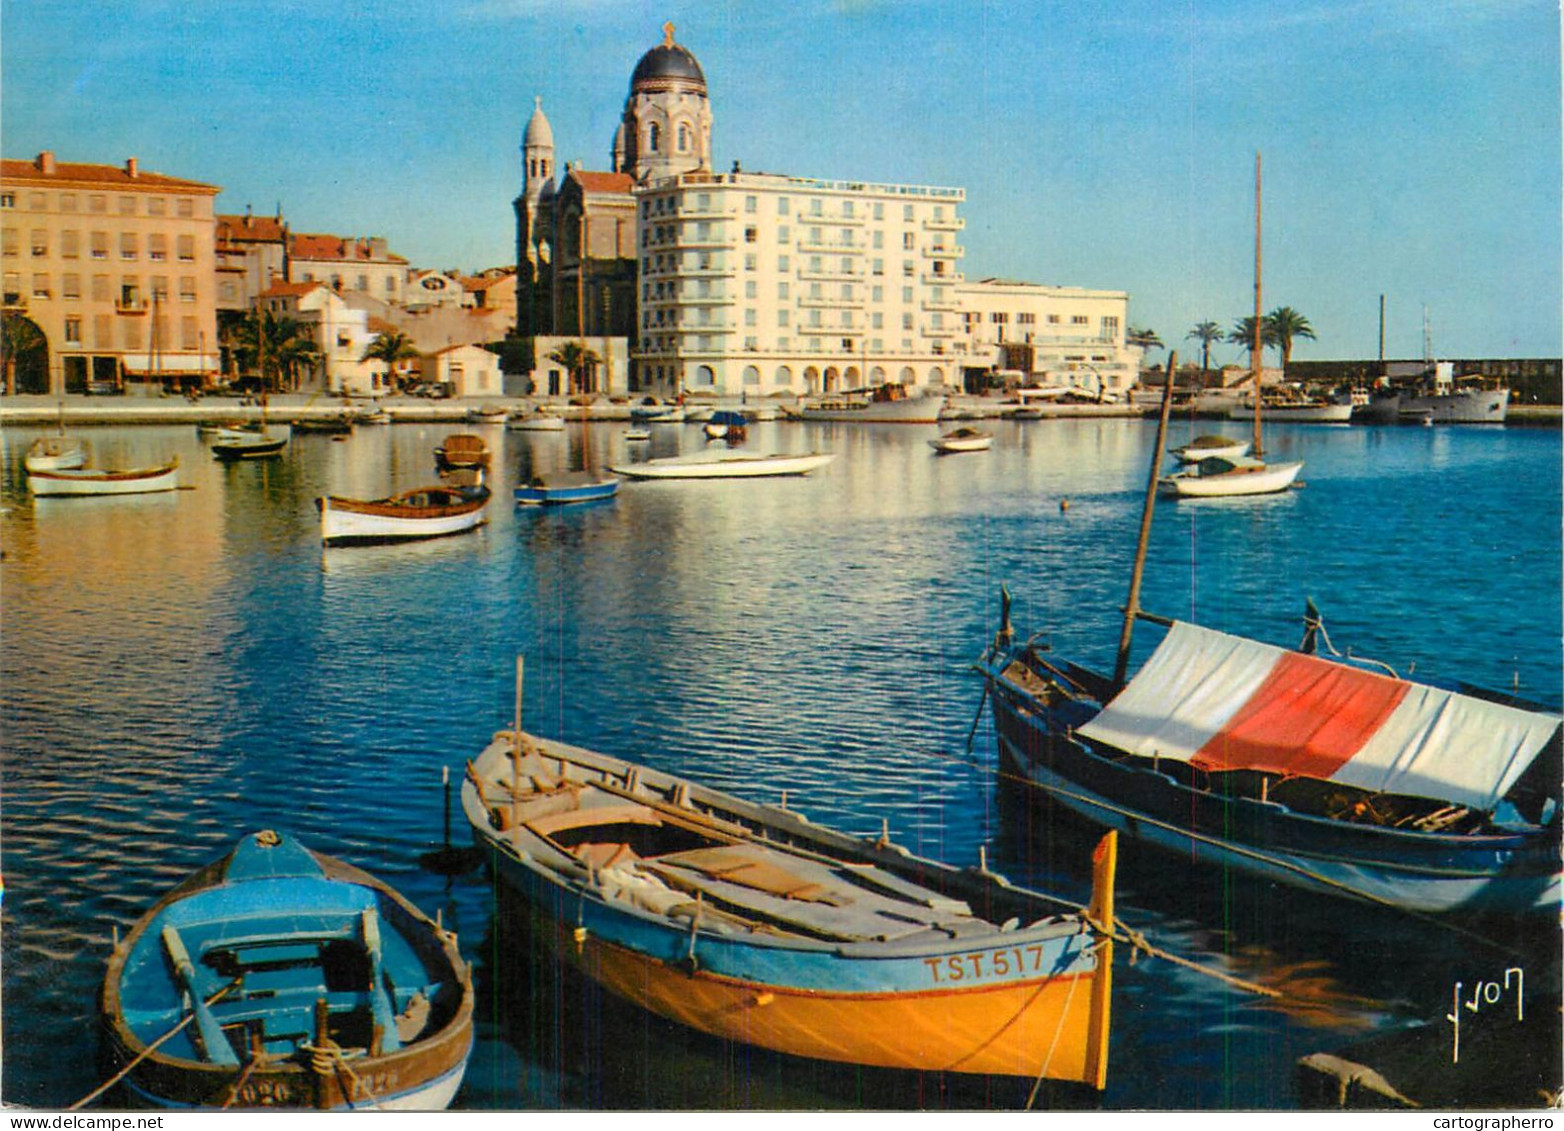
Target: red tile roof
250 229
280 289
127 176
602 182
322 247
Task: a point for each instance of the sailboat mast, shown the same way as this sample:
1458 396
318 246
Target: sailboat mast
1256 358
1121 666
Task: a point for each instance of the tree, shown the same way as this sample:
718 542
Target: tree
274 347
1145 339
1285 324
295 350
1243 333
20 338
577 360
1206 333
391 347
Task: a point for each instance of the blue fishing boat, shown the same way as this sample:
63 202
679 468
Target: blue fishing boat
729 426
560 487
279 977
750 923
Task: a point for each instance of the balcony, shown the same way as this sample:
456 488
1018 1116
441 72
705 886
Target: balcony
691 240
940 304
941 331
836 276
823 248
130 304
827 300
954 224
936 279
955 251
710 212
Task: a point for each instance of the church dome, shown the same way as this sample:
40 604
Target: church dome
666 63
538 132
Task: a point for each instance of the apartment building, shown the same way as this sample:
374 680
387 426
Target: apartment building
759 284
115 266
1046 335
252 251
356 264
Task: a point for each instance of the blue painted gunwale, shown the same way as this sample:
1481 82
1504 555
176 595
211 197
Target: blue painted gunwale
557 496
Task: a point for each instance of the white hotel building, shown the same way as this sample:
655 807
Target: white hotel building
755 284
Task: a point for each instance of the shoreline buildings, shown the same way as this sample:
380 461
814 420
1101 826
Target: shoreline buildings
755 284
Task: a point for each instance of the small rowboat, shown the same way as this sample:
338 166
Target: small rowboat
753 924
248 445
540 420
55 453
729 426
488 414
1215 477
963 440
338 425
426 512
724 465
1210 447
98 481
278 977
462 450
561 487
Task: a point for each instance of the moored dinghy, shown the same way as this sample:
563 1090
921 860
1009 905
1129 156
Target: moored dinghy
752 924
724 465
279 977
55 453
963 440
1222 477
1210 447
103 481
425 512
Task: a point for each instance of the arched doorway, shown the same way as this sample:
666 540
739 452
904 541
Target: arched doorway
705 376
907 377
812 380
751 377
853 378
877 375
832 379
784 377
936 376
26 352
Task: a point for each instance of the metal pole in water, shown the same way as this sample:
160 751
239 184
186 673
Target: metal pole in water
445 781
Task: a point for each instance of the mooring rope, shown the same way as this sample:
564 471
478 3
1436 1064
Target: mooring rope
148 1051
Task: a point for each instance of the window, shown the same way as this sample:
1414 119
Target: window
73 330
187 249
877 320
998 316
160 288
847 345
227 291
654 136
128 245
185 207
127 206
1109 326
156 206
187 288
906 212
751 203
814 318
39 242
814 206
1053 320
814 290
749 262
877 267
99 244
907 268
906 294
1025 318
67 202
814 236
157 247
782 206
782 289
36 201
749 316
847 266
877 294
70 286
908 241
189 333
10 242
101 290
390 284
782 263
130 333
878 239
97 202
41 286
684 139
752 344
906 321
7 200
782 234
749 288
103 331
847 292
751 234
363 283
1077 319
782 317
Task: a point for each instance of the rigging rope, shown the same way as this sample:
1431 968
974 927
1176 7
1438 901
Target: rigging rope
148 1051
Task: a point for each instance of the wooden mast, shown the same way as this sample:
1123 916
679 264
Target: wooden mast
1132 605
1256 356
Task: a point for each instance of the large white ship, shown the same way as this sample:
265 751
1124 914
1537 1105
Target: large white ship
1470 400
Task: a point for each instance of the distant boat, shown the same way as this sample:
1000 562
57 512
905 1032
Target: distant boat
247 444
729 426
1295 412
637 435
1216 476
218 427
424 512
558 488
373 416
488 414
276 977
338 425
462 450
1207 447
699 414
724 465
752 924
538 420
1467 400
652 411
101 481
885 404
55 453
963 440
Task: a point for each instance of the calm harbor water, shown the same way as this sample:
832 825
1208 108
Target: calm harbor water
179 669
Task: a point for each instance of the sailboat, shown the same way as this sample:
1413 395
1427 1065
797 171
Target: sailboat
1218 476
558 488
57 452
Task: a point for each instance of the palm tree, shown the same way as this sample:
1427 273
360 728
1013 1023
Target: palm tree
576 359
391 347
274 346
1145 339
1243 333
295 349
1206 332
1284 324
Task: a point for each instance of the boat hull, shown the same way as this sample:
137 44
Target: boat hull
532 495
1025 1001
912 410
345 521
1275 478
1423 872
82 482
239 449
537 424
726 465
275 952
55 453
1297 414
1472 406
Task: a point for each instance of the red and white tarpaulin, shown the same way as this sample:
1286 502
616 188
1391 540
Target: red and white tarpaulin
1221 702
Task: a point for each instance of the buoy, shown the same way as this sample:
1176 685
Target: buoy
1064 504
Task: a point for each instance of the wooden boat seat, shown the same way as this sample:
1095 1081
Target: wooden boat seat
738 864
608 855
615 814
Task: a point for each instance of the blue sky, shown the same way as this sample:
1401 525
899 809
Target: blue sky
1411 147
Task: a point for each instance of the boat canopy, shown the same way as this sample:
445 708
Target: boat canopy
731 419
1222 702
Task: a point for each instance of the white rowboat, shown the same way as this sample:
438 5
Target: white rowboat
426 512
724 465
97 481
55 453
1215 477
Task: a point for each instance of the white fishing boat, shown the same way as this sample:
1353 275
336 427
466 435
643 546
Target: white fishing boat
1215 476
963 440
1448 400
102 481
724 465
1296 412
538 420
488 414
1207 447
425 512
886 404
55 453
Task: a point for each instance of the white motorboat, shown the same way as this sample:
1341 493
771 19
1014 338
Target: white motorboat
488 414
888 404
425 512
724 465
1208 447
1215 477
963 440
1296 412
55 453
538 420
652 411
100 481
